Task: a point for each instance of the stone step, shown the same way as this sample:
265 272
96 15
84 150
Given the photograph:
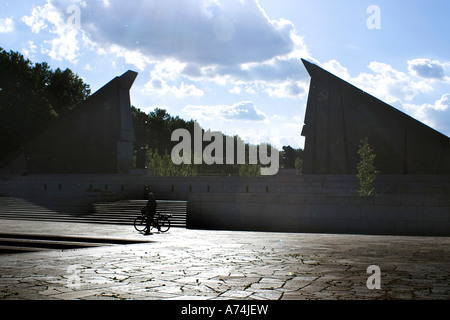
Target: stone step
120 212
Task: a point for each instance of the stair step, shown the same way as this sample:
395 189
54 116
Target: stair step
120 212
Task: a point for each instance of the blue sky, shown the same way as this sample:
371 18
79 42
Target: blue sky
234 65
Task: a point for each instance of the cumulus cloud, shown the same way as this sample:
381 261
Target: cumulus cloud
164 79
287 89
426 68
131 57
206 32
64 44
443 103
440 105
429 113
282 76
6 25
277 69
244 110
160 86
27 51
337 69
230 42
389 84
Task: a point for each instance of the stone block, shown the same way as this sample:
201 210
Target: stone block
348 212
374 212
337 200
388 200
412 200
399 213
325 212
434 214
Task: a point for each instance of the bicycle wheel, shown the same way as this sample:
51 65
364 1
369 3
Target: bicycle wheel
164 224
140 224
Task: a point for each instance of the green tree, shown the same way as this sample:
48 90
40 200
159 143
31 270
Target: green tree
249 170
366 169
154 130
163 166
289 157
32 97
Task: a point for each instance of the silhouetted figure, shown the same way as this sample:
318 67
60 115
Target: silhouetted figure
151 210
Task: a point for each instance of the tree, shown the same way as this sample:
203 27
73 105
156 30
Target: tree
162 166
289 156
154 131
366 169
32 97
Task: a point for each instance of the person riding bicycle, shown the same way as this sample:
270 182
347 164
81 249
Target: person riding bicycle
151 210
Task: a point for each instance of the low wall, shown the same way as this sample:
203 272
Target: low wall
406 205
403 205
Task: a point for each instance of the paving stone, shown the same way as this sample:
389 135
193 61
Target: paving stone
236 294
201 264
267 294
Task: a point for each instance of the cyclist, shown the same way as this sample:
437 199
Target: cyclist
151 210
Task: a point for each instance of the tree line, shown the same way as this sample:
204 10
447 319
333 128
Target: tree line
153 134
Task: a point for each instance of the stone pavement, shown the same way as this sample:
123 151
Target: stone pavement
198 264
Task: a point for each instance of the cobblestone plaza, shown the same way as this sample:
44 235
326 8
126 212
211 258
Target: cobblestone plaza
232 265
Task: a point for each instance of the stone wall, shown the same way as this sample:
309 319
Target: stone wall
329 204
403 205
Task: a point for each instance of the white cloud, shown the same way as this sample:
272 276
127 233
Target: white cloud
293 89
282 77
427 112
206 32
168 71
230 42
159 86
30 49
235 90
337 69
41 17
64 44
390 85
244 110
444 103
426 68
135 58
6 25
65 47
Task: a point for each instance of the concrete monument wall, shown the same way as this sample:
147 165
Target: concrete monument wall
96 137
403 205
339 115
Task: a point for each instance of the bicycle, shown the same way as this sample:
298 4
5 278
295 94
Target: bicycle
160 220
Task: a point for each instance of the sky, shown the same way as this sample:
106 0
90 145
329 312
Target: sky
234 65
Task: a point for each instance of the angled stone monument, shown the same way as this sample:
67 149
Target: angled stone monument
339 115
96 137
